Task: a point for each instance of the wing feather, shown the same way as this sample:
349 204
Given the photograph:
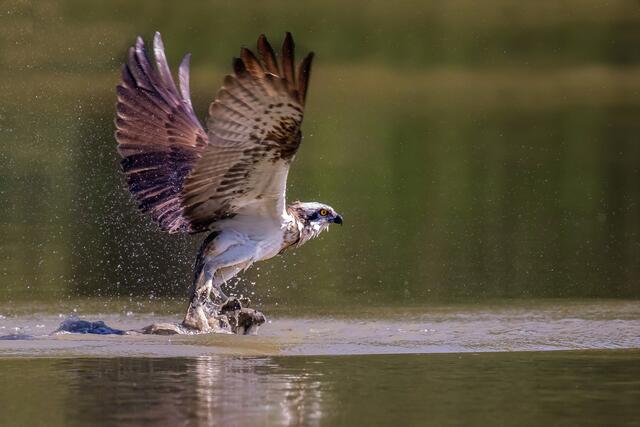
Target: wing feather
158 134
288 64
183 76
254 131
251 63
188 179
268 55
163 65
304 74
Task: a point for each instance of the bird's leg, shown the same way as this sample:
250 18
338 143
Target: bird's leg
196 317
220 313
219 297
213 305
202 307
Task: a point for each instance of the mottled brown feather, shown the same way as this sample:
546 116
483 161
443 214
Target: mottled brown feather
251 63
254 131
187 179
268 55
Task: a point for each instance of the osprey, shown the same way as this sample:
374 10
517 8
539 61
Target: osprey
229 180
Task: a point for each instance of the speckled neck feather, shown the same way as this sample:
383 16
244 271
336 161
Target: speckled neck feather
300 230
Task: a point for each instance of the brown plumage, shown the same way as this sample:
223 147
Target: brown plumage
186 178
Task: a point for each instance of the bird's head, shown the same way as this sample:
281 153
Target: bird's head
314 218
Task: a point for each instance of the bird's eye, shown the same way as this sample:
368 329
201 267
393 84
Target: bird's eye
324 212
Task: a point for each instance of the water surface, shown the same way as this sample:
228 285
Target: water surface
502 326
535 388
478 151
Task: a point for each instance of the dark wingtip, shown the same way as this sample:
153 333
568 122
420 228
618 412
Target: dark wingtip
268 55
251 62
238 66
288 41
288 64
304 73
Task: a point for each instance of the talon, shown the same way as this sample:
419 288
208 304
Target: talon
232 304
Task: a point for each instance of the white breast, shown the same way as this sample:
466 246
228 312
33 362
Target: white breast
263 233
269 247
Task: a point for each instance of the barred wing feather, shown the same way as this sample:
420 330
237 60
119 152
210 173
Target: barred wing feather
187 179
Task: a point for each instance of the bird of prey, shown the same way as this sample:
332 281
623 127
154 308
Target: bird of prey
228 180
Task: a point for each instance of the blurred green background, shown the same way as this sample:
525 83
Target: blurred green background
476 149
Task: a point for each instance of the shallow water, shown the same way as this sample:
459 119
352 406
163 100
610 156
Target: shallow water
437 365
566 388
503 326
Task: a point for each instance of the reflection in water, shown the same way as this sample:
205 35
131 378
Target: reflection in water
252 391
214 390
557 388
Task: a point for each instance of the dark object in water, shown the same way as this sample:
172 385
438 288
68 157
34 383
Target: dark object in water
18 336
78 326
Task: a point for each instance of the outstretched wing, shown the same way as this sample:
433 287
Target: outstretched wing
187 180
254 133
158 134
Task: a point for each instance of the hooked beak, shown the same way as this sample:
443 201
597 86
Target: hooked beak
337 219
